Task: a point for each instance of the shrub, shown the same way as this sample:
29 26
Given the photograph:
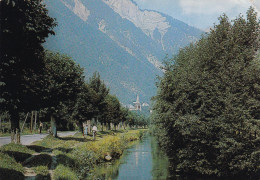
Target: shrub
41 170
9 166
19 152
64 173
40 160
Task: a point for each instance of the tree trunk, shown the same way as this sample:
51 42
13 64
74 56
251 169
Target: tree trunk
89 126
15 127
54 126
102 127
108 126
31 127
35 122
120 125
24 122
17 134
81 129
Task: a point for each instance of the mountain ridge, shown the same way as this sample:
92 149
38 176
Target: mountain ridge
100 39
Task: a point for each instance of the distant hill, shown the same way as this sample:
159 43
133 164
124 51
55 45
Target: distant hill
123 43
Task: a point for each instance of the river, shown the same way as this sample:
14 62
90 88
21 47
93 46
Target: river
143 161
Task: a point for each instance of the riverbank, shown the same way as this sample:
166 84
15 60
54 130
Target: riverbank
64 158
143 160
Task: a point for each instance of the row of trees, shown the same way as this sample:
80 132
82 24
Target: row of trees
207 110
32 78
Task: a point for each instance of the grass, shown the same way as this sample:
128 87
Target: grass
41 170
9 166
80 155
19 152
76 156
40 160
64 173
17 148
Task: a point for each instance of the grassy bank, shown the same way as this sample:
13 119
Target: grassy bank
65 158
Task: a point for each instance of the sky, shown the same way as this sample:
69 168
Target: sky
200 13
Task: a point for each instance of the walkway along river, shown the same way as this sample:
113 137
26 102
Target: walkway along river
143 161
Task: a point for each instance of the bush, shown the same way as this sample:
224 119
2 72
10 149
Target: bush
207 109
9 166
80 157
56 143
64 173
19 152
42 173
41 170
40 160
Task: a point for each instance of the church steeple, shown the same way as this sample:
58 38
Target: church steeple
138 106
137 99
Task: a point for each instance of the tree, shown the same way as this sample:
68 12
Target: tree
207 106
112 111
24 27
123 115
64 85
84 108
101 92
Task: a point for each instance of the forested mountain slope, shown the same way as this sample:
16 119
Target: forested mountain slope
123 43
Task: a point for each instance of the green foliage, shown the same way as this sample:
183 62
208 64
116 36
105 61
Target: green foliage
64 80
9 166
133 135
41 170
84 108
17 151
99 93
40 160
206 112
79 157
112 110
64 173
16 148
24 27
83 161
136 119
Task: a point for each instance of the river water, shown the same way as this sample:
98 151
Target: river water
143 161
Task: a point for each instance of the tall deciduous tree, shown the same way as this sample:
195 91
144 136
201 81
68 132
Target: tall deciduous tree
24 27
208 104
85 108
64 81
101 92
112 110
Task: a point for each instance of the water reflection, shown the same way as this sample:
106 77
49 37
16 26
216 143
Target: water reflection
138 162
160 163
144 161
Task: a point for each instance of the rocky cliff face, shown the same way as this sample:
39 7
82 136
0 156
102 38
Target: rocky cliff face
116 38
147 21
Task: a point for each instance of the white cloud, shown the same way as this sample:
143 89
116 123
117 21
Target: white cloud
200 13
256 4
211 6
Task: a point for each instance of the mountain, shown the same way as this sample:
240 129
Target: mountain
124 44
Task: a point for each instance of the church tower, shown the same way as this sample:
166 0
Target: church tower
138 106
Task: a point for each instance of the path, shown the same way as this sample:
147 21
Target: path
29 139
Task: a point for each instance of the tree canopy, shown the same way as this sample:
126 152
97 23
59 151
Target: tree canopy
207 110
24 27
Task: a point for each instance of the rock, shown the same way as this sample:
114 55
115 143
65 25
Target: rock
108 157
